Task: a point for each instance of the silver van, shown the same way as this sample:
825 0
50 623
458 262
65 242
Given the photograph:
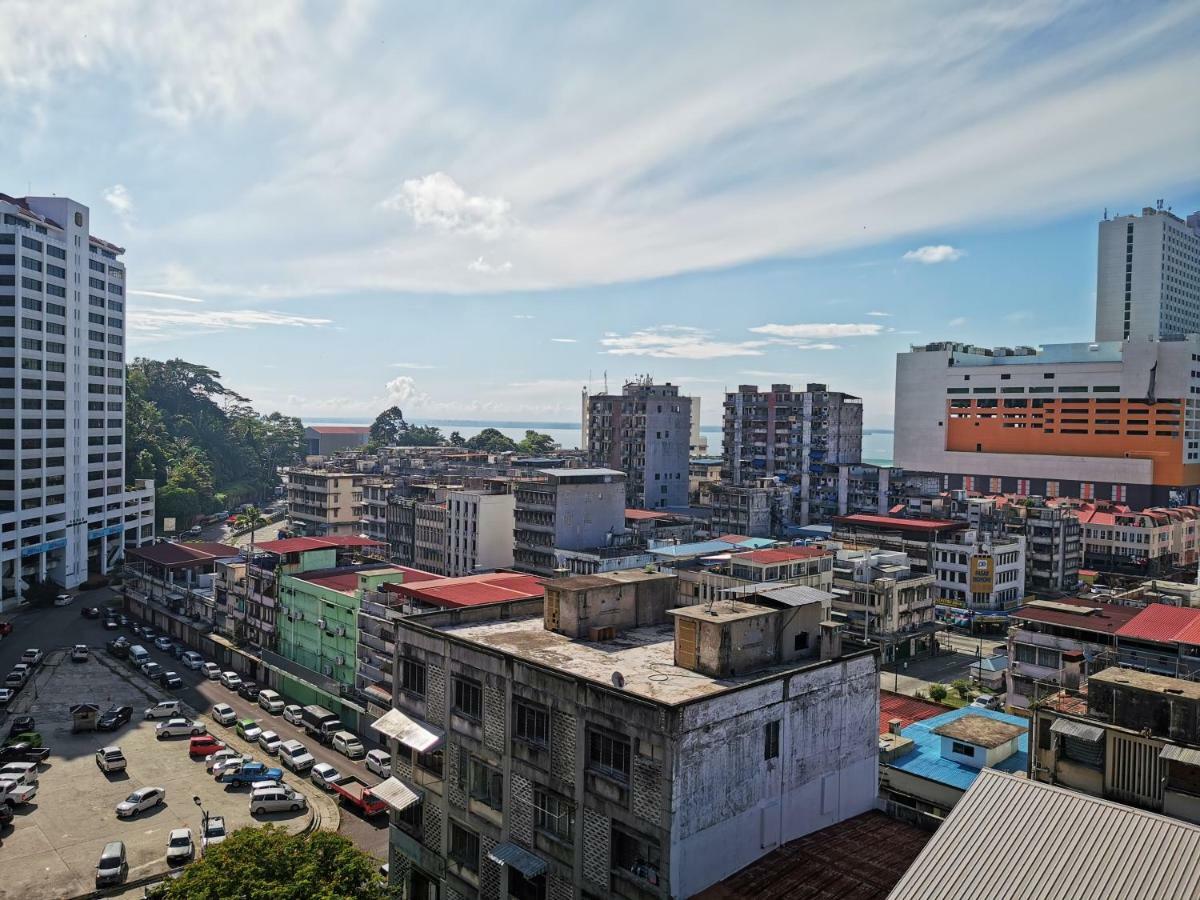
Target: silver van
276 799
138 655
270 701
112 868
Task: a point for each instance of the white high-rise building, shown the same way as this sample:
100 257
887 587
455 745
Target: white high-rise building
65 511
1148 275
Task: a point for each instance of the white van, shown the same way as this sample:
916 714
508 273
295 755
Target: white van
296 757
271 702
347 743
269 800
379 762
138 655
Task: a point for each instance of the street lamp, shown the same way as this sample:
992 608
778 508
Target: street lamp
204 815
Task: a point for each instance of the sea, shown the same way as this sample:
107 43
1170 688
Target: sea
877 443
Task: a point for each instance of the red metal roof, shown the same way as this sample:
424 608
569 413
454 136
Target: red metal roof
645 514
1159 622
896 523
906 709
174 555
301 544
1107 619
350 540
409 576
340 429
781 555
473 590
733 538
343 582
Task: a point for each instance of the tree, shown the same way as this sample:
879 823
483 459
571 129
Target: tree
269 862
491 441
962 687
937 692
389 428
424 436
536 443
457 440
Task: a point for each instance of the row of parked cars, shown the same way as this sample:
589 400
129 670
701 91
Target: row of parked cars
20 758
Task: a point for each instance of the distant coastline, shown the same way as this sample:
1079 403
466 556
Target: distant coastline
502 423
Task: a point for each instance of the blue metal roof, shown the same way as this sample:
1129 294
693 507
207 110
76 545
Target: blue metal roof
997 663
925 760
700 548
757 543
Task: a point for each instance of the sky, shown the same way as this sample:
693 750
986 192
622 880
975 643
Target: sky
474 212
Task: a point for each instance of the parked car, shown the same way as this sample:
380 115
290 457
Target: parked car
379 762
214 833
63 600
248 729
249 690
6 694
348 744
32 657
141 800
32 738
269 800
192 660
987 701
163 709
179 728
231 680
6 815
211 671
112 867
23 751
221 757
203 745
111 624
20 772
114 718
162 642
170 680
293 713
90 612
248 773
223 714
270 701
14 794
79 653
6 628
20 724
323 775
152 670
15 680
178 649
296 757
179 846
118 648
357 793
228 763
269 741
110 759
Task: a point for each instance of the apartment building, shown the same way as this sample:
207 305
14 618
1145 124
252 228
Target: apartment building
376 493
324 501
569 509
645 432
978 577
1148 275
602 743
884 600
429 537
1052 536
1113 421
916 538
63 497
479 531
326 440
790 434
703 473
761 508
1154 541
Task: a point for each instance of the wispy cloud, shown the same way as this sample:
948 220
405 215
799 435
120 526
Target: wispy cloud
161 295
677 342
522 316
564 341
162 324
437 201
119 201
933 254
957 322
410 365
876 312
815 330
481 265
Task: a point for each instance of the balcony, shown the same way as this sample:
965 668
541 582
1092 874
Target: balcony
377 643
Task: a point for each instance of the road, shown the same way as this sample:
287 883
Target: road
64 626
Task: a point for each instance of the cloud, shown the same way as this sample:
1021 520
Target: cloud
402 389
164 296
677 342
808 331
522 316
1017 316
483 266
957 322
409 365
564 341
933 254
163 324
876 312
437 201
119 200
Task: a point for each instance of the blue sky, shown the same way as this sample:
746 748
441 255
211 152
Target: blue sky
341 206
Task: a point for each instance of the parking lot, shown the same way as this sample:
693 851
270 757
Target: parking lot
54 843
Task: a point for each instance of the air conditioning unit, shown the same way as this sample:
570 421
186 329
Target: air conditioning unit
328 670
320 623
340 660
341 630
300 617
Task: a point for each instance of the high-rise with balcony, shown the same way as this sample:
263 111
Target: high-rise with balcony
1148 275
569 509
789 435
645 432
63 500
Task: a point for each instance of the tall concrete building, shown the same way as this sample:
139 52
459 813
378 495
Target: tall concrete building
479 531
63 499
645 432
1109 420
1148 275
791 435
570 509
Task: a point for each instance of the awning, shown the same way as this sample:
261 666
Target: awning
420 736
519 858
1185 755
1071 728
396 794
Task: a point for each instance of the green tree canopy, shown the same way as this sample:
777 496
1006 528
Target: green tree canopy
536 444
270 863
424 436
491 441
457 440
389 428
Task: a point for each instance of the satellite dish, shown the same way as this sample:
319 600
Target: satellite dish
618 680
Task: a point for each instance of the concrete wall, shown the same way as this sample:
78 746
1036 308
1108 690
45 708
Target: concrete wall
586 513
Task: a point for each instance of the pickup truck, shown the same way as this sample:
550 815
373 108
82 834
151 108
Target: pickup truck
23 752
358 794
15 794
248 773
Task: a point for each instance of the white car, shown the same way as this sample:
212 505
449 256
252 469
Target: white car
163 709
20 772
379 762
162 642
295 756
220 767
231 680
14 794
6 694
63 600
294 714
987 701
270 800
179 846
141 800
270 742
224 714
324 776
32 656
79 653
270 701
348 744
273 784
211 671
179 728
214 833
214 759
192 659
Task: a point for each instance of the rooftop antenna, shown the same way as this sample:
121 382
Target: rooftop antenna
1106 214
606 381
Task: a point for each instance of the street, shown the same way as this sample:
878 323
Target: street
917 674
60 627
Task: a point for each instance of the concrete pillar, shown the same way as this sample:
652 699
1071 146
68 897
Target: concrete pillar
104 554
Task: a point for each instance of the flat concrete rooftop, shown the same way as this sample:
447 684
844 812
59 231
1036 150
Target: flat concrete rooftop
644 656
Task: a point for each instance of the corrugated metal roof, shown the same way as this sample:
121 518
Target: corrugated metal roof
1047 842
507 854
781 555
1071 728
926 761
796 595
421 736
698 548
1176 753
396 794
1159 622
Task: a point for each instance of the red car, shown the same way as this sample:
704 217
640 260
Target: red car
5 628
204 745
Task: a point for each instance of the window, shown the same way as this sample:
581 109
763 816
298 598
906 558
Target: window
464 847
553 815
636 855
412 677
609 755
432 762
962 749
771 740
468 698
487 785
531 724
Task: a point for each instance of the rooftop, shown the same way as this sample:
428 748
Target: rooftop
1086 615
980 731
1159 622
641 514
897 523
925 760
568 474
906 709
1147 681
721 612
781 555
174 555
1071 846
303 544
340 429
689 551
473 590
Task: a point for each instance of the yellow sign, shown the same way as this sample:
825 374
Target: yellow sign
982 575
